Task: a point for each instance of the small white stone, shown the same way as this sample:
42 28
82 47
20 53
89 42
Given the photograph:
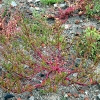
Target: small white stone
41 81
0 5
26 66
67 26
86 92
99 96
31 98
82 95
65 96
13 3
55 5
31 9
29 0
37 8
75 74
37 1
62 5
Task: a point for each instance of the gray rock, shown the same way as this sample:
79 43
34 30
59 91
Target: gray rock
13 4
82 95
55 5
26 66
98 97
31 98
63 5
36 1
8 96
31 9
53 97
0 5
73 89
77 62
75 74
1 93
29 1
37 8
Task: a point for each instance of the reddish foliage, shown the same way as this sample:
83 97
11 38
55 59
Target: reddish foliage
9 27
64 14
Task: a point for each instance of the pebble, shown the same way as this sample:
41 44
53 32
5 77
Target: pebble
8 96
69 94
31 9
55 5
13 4
67 26
75 74
76 95
86 92
37 1
31 98
86 98
29 1
0 1
1 93
37 8
82 95
26 66
0 5
77 62
66 95
77 21
63 5
73 89
98 96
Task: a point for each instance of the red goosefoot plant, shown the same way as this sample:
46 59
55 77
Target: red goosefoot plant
39 57
78 5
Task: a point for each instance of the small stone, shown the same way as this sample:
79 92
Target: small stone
75 74
29 0
26 66
76 95
0 5
86 92
31 5
86 98
42 75
13 4
55 5
82 95
1 93
63 5
31 98
8 96
31 9
81 91
98 96
0 1
80 13
77 21
19 99
37 1
37 8
77 62
99 29
77 34
69 94
66 95
67 26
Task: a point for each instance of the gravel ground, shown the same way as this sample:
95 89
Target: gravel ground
72 92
